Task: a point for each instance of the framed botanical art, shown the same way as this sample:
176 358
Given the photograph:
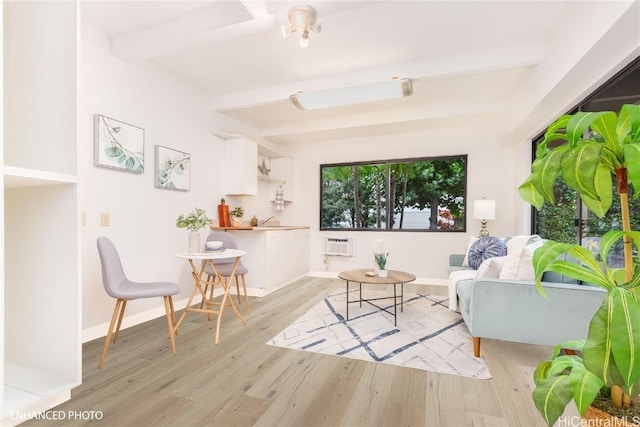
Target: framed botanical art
118 145
173 169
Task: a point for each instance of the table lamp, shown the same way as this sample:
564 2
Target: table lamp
484 210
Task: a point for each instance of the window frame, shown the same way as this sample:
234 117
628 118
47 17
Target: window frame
388 163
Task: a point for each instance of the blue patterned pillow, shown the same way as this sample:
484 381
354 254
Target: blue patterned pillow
485 248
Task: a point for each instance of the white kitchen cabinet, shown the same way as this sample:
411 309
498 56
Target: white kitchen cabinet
40 326
282 174
240 167
274 257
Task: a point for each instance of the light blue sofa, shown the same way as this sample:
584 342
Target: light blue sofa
513 310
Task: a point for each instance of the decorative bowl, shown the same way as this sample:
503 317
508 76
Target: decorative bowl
213 245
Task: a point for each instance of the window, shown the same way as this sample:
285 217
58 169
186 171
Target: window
568 220
425 194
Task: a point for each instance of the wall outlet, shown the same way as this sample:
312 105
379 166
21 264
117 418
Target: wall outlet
105 219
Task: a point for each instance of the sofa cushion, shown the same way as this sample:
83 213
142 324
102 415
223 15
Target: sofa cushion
472 240
485 248
491 268
515 246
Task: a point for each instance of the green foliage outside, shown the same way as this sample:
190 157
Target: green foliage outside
376 196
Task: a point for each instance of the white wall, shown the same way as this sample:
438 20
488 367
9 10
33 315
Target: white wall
142 217
423 253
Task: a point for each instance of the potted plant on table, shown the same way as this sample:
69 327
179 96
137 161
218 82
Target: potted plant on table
236 215
194 222
596 147
381 262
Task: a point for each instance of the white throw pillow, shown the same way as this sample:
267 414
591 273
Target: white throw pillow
514 251
525 267
491 268
472 240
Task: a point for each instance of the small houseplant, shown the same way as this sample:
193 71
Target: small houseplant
596 147
237 213
194 222
381 262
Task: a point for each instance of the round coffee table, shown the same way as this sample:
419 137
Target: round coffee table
394 278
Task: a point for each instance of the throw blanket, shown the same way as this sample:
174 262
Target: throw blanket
455 277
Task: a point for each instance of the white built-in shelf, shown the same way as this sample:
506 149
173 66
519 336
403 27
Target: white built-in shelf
25 387
271 180
15 177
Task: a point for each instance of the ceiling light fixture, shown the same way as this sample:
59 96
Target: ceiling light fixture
302 19
347 95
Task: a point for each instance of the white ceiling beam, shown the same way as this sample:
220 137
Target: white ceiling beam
487 60
200 28
440 111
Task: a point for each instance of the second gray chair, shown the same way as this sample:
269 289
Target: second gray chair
118 286
225 266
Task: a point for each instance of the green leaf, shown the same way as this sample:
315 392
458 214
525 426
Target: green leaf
578 124
632 161
606 126
545 171
625 334
604 187
529 194
543 257
551 396
584 387
113 151
597 348
130 163
579 166
629 118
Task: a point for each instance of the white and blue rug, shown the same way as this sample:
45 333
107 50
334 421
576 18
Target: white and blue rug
428 335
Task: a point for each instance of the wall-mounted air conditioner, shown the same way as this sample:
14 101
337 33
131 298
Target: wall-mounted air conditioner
336 246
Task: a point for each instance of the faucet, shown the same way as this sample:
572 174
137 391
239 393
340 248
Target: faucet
265 221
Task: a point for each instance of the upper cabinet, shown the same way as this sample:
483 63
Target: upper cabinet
241 173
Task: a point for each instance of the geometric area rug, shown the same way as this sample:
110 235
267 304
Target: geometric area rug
428 335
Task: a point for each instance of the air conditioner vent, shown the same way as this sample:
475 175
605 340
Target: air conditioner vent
336 246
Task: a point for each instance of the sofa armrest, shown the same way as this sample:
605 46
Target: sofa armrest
514 310
455 260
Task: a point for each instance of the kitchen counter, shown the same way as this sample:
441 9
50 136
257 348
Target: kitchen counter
262 228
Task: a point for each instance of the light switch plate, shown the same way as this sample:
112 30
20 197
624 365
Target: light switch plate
105 219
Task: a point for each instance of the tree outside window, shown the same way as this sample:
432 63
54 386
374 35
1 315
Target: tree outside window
426 194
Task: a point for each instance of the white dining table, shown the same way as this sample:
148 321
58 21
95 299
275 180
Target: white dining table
200 285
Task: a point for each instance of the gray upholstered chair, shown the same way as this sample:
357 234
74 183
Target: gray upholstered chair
225 266
118 286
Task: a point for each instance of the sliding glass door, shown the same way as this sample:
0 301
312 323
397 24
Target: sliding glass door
568 220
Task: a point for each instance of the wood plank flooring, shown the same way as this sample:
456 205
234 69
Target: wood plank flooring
244 382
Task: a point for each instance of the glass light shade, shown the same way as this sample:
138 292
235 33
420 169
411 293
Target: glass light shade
484 209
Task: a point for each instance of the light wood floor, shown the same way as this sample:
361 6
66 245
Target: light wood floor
244 382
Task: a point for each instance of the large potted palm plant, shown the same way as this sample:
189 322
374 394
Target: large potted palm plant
594 148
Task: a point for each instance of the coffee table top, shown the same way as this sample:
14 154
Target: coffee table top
393 276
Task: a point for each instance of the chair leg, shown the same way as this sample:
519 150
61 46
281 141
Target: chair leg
107 341
476 346
246 298
168 306
173 315
238 290
124 304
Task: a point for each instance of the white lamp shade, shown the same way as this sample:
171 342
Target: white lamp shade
484 209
